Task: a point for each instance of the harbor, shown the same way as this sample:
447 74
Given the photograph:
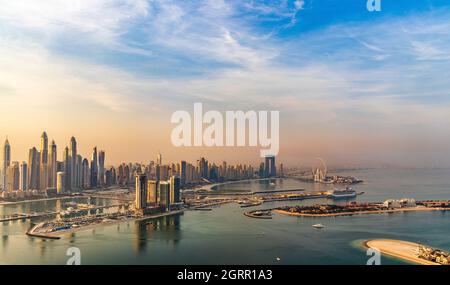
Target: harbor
21 216
55 229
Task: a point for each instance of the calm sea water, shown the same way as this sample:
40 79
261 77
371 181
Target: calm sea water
225 236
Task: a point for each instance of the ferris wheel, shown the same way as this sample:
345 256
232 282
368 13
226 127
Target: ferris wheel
319 166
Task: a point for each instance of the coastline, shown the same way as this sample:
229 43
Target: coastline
403 250
212 187
40 200
414 209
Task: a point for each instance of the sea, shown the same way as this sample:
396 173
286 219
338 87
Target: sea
225 236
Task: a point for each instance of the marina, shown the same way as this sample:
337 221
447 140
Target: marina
55 229
46 214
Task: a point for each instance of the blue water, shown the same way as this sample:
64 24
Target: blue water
225 236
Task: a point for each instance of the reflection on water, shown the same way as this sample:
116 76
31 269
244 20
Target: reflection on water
4 241
165 229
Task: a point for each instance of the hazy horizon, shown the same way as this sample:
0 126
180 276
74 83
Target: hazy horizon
355 88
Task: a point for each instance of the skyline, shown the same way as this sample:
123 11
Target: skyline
111 73
100 154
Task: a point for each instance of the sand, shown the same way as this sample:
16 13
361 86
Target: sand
400 249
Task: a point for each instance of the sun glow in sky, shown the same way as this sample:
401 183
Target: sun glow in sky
353 87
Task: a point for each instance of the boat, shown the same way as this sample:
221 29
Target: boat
251 204
343 194
318 226
71 204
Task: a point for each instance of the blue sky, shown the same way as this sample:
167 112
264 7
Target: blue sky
342 77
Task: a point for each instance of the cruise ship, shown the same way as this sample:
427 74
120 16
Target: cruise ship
343 194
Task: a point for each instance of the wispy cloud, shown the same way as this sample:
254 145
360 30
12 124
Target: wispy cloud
92 21
346 79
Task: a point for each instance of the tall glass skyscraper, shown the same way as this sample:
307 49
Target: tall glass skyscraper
73 163
94 168
6 163
101 168
43 169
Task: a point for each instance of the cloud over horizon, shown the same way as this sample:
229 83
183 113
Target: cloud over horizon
381 79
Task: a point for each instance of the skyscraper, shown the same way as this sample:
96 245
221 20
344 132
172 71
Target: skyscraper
159 159
270 168
43 164
79 171
6 162
183 173
273 167
158 172
94 169
23 176
175 185
101 167
67 170
13 177
73 163
203 167
60 182
33 169
52 164
141 191
164 194
152 192
85 182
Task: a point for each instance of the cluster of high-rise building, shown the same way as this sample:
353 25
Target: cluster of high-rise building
202 171
158 186
157 195
44 173
268 168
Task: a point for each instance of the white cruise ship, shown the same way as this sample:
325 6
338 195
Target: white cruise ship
343 194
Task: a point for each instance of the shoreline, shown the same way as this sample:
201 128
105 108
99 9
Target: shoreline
415 209
40 200
403 250
212 187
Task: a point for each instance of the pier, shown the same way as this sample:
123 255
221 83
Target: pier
50 230
46 214
239 192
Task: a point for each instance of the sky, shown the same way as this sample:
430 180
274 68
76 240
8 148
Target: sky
354 87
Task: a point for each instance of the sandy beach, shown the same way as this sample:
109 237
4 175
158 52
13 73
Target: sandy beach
400 249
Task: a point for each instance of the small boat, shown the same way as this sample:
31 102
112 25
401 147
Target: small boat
251 204
202 209
318 226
